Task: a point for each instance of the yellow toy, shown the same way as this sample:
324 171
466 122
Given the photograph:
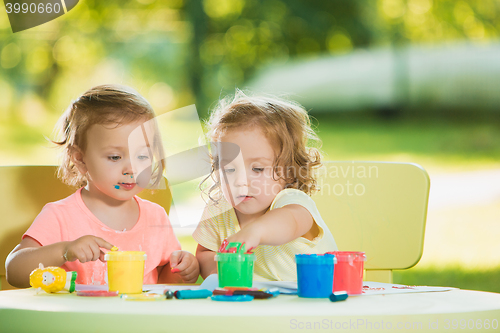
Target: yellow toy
52 279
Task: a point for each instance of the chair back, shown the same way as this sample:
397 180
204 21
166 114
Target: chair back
379 208
24 190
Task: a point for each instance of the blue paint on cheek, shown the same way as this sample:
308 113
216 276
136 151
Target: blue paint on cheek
117 187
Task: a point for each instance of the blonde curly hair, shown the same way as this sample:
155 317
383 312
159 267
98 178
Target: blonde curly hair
285 124
104 105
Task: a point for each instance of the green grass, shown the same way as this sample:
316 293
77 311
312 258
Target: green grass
437 143
458 277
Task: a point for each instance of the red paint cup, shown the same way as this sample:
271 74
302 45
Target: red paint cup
348 274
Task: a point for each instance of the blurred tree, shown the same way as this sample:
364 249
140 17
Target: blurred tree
437 20
141 43
402 22
243 35
177 52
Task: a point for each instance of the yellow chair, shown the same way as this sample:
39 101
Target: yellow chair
24 190
376 207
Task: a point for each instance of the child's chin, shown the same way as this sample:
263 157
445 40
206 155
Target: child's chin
125 195
245 208
245 211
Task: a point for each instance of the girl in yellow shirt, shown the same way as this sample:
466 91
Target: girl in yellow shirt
262 173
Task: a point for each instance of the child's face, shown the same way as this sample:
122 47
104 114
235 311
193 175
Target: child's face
247 180
114 157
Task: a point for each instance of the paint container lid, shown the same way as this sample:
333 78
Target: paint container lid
97 293
316 259
125 256
234 257
348 256
339 296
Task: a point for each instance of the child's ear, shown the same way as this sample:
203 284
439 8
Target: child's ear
77 158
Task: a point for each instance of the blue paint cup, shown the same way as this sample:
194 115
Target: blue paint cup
315 274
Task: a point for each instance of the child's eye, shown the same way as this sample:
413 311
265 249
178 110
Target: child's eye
143 157
258 169
229 170
114 158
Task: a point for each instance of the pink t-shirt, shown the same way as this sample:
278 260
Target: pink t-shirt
69 219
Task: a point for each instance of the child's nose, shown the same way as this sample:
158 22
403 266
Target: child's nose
128 169
241 178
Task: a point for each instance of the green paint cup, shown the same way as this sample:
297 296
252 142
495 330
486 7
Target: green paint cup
235 269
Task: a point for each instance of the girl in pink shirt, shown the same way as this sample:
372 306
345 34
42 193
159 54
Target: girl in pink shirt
111 151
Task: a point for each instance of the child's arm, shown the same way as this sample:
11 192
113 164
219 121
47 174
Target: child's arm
182 268
29 254
275 227
206 259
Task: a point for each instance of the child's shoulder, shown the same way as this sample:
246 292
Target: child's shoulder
69 206
69 201
292 193
290 196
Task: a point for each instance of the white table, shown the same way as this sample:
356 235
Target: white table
23 311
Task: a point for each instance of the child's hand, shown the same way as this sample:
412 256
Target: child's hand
186 265
86 248
251 236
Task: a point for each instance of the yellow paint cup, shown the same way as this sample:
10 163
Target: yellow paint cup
125 271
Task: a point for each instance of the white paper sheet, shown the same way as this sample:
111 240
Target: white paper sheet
153 288
285 287
379 288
